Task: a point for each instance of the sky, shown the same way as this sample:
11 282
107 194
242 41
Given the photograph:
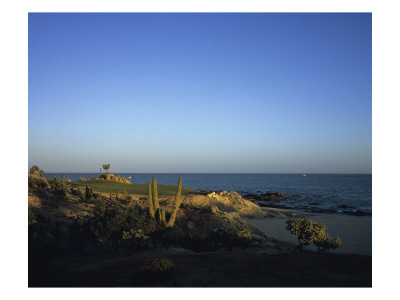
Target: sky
212 93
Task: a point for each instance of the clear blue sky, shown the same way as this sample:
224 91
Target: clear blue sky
200 92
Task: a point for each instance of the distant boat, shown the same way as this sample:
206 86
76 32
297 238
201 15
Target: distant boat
304 175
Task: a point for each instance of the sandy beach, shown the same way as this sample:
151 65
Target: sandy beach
354 231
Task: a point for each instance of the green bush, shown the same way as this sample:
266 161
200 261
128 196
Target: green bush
134 234
58 185
36 170
232 237
77 191
309 232
112 222
35 181
88 193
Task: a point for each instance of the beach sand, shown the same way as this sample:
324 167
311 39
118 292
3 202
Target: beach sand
354 231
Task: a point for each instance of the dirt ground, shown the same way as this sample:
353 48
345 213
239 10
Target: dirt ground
247 268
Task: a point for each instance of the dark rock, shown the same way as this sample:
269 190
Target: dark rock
346 206
359 213
269 194
274 198
253 197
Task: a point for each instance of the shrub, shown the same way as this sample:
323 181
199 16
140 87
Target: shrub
134 234
35 170
233 237
309 232
77 192
58 185
109 220
158 264
35 181
88 193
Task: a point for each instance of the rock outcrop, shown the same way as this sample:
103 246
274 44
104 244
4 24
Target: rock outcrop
112 177
226 203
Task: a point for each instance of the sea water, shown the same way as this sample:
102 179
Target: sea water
331 193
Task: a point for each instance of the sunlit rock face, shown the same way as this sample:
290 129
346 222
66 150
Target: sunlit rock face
111 177
230 203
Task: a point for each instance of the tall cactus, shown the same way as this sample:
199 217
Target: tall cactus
155 199
150 195
163 220
177 203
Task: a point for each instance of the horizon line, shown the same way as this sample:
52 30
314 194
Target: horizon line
349 173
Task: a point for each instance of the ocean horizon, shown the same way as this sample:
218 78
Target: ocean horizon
320 192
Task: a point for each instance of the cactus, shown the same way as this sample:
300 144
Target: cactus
157 215
88 193
177 203
163 216
150 196
155 199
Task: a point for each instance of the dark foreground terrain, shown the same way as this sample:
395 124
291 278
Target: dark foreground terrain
212 269
81 238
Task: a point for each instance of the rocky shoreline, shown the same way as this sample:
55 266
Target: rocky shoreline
286 201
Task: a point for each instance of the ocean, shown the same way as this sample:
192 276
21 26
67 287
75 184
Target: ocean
328 193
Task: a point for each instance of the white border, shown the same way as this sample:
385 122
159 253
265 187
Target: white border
14 125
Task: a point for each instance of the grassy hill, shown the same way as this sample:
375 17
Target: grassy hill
141 189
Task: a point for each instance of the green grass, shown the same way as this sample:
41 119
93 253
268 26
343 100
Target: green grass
141 189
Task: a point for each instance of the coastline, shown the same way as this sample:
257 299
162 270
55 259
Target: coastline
354 231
